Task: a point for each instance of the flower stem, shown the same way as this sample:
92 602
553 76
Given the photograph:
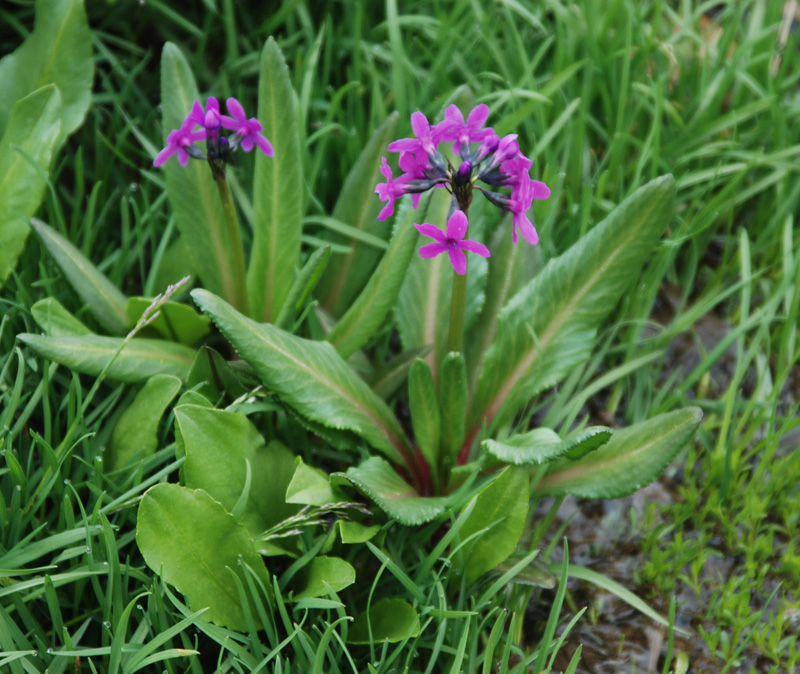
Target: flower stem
238 270
458 307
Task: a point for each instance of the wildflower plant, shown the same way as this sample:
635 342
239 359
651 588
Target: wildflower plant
314 341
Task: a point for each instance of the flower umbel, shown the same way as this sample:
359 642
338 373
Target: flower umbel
452 241
247 135
485 156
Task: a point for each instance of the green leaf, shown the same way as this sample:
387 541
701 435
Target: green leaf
26 151
175 321
378 480
354 532
425 414
277 190
323 574
454 398
389 377
392 619
55 320
58 51
510 268
134 436
631 459
379 296
139 360
549 327
218 446
310 486
358 206
543 445
422 313
193 543
104 299
310 377
303 286
192 193
498 517
211 376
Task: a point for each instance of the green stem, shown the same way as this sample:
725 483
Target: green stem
458 307
238 270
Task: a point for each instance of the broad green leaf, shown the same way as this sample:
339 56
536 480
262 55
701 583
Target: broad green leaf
631 459
323 574
387 378
26 151
212 376
139 360
193 195
510 269
422 313
379 296
425 415
175 321
104 299
358 206
454 398
218 446
134 436
55 320
176 263
549 327
353 532
380 482
543 445
193 543
59 52
392 619
310 486
303 286
310 377
500 509
277 191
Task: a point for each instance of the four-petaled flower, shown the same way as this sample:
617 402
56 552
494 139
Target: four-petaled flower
452 241
177 142
248 131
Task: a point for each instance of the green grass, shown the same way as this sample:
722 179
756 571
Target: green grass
605 96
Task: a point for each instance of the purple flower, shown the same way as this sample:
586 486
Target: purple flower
210 120
451 241
519 204
177 142
463 133
389 191
248 131
427 137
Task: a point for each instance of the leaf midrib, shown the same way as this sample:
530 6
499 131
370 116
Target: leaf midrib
527 361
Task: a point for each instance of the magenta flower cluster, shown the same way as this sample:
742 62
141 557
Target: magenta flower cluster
484 156
246 134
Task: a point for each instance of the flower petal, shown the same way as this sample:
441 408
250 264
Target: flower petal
432 250
475 247
420 125
427 229
457 225
264 145
478 116
458 260
539 189
236 109
165 154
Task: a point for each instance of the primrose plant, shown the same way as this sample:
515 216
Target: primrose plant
467 387
413 371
